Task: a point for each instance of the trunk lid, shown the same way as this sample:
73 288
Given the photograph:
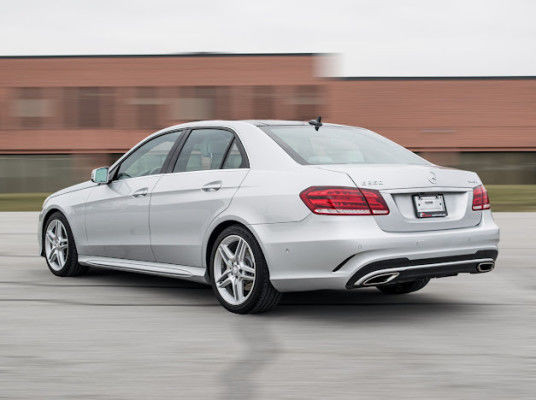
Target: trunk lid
399 183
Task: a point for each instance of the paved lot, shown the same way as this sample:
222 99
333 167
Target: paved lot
115 335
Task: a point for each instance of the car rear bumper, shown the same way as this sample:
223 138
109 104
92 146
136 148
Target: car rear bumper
337 252
404 270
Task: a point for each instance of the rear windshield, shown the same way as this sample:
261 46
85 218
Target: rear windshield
339 145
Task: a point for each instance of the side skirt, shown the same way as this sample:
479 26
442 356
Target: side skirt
145 267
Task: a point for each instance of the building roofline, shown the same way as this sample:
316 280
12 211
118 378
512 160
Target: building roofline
200 54
431 78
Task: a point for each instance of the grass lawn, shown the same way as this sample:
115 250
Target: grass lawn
503 198
22 201
512 197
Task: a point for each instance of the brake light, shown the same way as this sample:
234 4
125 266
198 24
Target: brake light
480 198
340 200
375 201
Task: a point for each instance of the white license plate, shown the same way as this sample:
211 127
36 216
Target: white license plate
427 206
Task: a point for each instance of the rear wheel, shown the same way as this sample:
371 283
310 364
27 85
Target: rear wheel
404 287
60 249
239 273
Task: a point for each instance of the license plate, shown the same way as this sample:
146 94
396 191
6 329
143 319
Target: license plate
428 206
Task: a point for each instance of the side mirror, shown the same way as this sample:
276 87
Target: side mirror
100 175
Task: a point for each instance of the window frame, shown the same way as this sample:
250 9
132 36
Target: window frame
173 160
114 169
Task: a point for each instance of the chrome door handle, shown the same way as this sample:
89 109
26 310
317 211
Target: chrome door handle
211 187
140 192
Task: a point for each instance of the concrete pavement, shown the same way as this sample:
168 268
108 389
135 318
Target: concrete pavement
112 335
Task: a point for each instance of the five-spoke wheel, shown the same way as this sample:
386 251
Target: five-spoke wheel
60 248
234 269
239 274
56 245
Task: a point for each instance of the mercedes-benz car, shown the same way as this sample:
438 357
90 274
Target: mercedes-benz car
258 208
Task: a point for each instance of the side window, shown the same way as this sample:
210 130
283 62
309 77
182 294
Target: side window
234 157
149 158
204 149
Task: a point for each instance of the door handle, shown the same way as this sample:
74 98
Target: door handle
140 192
211 186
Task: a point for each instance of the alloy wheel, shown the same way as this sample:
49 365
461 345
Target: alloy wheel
234 269
56 245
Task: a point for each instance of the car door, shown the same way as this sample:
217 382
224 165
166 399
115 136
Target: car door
209 169
117 213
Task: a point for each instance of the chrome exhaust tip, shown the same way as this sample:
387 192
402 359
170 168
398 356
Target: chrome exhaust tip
485 266
380 279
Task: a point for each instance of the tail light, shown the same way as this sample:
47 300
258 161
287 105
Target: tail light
340 200
480 198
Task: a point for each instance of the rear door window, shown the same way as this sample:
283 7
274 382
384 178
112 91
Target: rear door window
234 157
203 150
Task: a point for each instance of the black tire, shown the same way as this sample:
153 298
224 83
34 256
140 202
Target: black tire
264 296
404 287
71 267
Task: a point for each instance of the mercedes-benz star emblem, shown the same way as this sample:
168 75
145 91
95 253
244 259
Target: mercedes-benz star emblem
432 178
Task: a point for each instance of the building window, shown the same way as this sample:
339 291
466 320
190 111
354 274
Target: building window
263 102
307 100
193 104
147 104
30 107
201 102
88 107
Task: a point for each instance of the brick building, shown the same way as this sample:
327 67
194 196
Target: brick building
62 115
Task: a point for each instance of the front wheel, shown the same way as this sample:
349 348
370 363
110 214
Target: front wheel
239 273
404 287
60 248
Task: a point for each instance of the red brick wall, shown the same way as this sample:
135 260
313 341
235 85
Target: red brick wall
427 115
157 71
441 115
123 74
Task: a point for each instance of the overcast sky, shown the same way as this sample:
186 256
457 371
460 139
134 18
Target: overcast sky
372 38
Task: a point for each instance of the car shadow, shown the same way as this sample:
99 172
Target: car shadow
352 306
259 336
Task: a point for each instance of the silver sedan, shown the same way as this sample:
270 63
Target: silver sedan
257 208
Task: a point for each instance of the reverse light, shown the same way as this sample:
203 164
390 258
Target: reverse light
342 200
480 198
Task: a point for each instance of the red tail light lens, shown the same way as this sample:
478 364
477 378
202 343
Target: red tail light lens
333 200
376 202
480 198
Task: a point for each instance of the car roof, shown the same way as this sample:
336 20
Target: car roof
269 122
232 123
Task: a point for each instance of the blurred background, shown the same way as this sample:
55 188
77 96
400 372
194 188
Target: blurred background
80 84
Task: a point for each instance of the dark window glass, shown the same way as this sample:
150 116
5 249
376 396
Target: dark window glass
95 107
339 145
89 107
234 158
204 149
195 103
263 102
307 100
222 103
147 106
149 158
31 107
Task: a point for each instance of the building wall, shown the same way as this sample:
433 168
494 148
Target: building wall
62 116
441 114
107 104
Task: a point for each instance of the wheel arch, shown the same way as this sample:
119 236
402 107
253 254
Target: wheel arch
219 228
